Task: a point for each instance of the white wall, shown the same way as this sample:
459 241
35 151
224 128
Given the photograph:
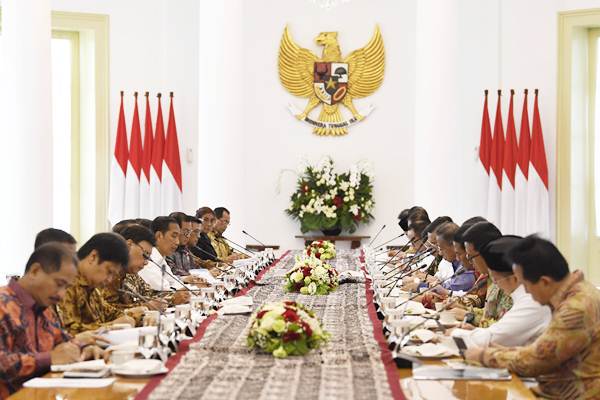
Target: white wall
153 47
275 141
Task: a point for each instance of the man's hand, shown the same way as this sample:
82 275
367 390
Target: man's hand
157 304
65 353
194 280
90 337
125 319
474 354
91 353
459 313
466 326
181 297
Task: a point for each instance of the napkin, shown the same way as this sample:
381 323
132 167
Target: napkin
92 365
424 335
240 301
235 309
68 383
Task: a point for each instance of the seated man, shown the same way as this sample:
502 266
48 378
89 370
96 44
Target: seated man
31 336
497 303
463 278
133 290
223 249
55 235
166 233
83 307
181 260
565 359
526 319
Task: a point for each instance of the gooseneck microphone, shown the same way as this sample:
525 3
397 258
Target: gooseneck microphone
218 259
258 241
391 240
462 271
376 236
245 251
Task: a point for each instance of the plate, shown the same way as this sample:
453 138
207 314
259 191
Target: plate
429 350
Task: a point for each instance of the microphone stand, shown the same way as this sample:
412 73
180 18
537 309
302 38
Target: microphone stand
391 240
246 252
376 236
405 337
433 287
407 274
218 260
258 241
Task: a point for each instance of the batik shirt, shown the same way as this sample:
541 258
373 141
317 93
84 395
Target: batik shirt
28 333
83 308
221 247
565 359
497 303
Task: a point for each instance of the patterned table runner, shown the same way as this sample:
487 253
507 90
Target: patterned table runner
218 365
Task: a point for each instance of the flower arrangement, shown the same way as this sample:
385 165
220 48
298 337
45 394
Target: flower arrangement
311 276
325 200
285 329
321 249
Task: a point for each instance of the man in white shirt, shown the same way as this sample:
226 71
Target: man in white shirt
166 232
527 318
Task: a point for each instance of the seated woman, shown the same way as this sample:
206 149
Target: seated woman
525 321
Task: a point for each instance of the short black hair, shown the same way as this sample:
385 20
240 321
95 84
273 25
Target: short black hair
446 231
180 217
435 224
418 226
460 233
119 226
51 256
403 219
481 233
494 253
191 218
417 213
110 247
161 224
138 233
538 257
474 220
144 222
53 235
219 211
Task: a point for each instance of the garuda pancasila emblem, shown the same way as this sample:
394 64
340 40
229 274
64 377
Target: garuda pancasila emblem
331 80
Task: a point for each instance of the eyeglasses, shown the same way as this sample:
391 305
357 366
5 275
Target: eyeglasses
471 257
145 254
187 232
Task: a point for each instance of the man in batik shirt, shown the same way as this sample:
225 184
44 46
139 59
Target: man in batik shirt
84 308
31 336
565 359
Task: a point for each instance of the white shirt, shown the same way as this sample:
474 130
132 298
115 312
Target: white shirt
153 276
445 271
521 325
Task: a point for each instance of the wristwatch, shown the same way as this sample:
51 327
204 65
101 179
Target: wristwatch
469 318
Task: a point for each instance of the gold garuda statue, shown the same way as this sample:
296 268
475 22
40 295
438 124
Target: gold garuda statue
331 80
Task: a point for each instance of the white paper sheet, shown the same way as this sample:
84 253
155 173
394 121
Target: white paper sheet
204 274
68 383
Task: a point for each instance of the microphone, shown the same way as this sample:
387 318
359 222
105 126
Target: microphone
131 292
391 240
164 271
246 251
411 260
436 316
433 287
409 273
218 259
376 236
259 242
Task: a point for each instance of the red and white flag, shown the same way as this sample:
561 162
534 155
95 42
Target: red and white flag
145 202
485 148
158 148
522 173
172 187
134 167
118 171
538 200
509 165
496 161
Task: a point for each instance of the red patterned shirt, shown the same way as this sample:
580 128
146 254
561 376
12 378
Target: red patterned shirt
27 335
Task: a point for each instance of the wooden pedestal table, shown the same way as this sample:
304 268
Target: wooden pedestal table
354 240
